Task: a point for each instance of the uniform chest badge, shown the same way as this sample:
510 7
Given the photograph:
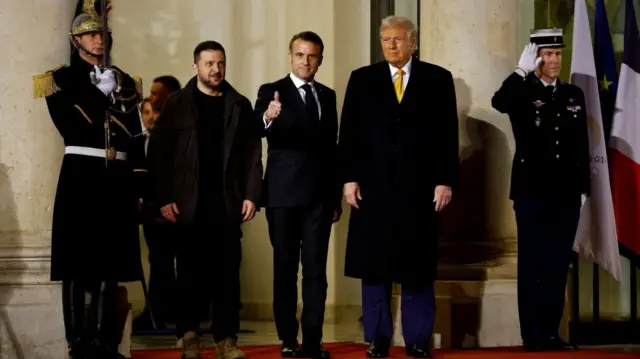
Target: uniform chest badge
538 103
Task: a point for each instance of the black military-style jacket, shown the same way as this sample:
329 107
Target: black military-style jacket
86 118
549 124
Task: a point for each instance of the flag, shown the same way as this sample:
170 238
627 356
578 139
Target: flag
605 67
596 236
625 139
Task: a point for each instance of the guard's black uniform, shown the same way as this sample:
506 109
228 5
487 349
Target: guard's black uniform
95 236
95 225
550 173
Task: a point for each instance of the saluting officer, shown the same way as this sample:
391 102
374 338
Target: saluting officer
550 174
95 241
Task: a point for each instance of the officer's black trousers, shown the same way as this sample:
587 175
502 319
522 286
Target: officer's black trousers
91 327
546 231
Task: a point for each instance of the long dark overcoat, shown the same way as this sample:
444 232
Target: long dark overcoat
397 153
95 233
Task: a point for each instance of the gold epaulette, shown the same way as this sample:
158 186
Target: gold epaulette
138 81
44 84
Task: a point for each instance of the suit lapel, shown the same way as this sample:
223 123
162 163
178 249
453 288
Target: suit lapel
324 101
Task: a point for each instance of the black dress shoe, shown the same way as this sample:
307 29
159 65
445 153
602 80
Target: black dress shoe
290 350
532 346
557 344
378 349
418 351
77 350
314 352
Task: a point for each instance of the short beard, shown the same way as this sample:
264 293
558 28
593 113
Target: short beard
207 82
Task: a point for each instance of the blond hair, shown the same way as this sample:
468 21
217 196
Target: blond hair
400 22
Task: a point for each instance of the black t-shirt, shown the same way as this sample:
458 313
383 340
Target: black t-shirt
211 147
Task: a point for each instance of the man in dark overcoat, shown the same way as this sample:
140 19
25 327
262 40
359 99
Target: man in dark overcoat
398 145
205 158
95 240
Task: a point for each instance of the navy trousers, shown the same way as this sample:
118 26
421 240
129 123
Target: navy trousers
546 231
418 307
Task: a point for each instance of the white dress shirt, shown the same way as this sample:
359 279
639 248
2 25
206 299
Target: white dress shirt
145 132
298 84
405 78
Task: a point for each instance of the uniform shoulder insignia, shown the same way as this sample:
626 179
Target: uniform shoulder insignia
138 81
44 84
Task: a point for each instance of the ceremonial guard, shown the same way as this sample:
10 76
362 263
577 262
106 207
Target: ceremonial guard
95 241
549 176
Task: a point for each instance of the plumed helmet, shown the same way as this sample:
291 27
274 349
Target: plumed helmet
85 23
88 17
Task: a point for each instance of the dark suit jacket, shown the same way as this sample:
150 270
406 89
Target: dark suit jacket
398 153
301 166
174 158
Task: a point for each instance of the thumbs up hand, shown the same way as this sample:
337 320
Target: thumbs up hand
273 111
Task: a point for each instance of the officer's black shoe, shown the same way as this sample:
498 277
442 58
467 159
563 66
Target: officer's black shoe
557 344
99 350
77 350
378 349
418 351
314 352
532 346
290 350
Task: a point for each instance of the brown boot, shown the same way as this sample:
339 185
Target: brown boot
227 349
191 346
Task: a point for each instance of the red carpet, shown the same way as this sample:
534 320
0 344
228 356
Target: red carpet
353 351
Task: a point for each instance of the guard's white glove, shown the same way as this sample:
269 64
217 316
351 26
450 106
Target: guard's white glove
106 81
529 60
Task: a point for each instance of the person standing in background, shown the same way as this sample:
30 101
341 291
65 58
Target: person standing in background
161 88
159 234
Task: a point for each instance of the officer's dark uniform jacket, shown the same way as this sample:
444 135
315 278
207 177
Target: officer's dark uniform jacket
550 129
95 225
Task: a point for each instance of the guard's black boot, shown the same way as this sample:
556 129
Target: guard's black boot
73 309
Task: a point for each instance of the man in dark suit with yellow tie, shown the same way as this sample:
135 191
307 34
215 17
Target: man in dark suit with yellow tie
398 149
302 193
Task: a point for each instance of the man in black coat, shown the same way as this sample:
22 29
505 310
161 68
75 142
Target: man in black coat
550 173
399 152
159 234
298 116
205 157
95 240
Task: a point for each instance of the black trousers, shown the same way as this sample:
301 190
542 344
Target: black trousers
297 232
208 267
162 240
95 325
546 231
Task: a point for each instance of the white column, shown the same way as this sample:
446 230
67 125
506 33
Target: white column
479 42
34 37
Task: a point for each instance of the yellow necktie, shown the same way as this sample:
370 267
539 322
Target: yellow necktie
397 84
